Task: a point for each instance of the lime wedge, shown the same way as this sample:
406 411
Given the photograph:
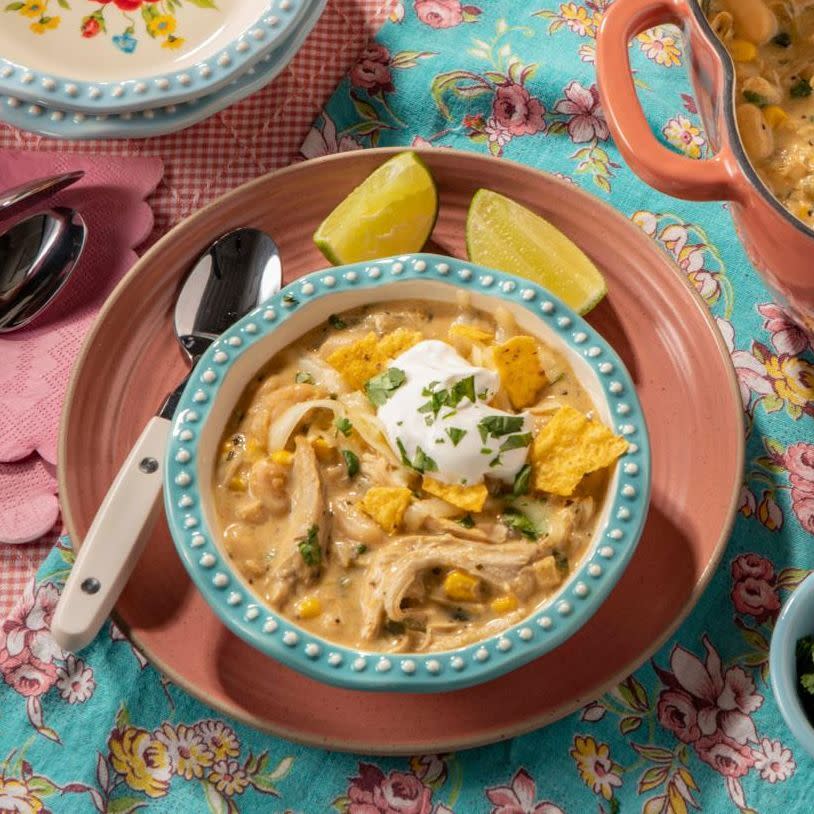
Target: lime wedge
508 237
391 212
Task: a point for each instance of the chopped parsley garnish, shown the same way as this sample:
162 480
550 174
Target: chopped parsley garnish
455 434
303 378
483 395
449 414
399 423
516 442
438 399
337 322
381 387
496 461
486 451
309 548
521 481
360 549
351 462
422 462
463 389
500 425
467 522
560 560
440 441
805 674
515 519
405 458
755 98
344 426
782 40
800 89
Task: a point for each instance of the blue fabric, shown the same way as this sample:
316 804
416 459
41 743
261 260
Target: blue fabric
697 726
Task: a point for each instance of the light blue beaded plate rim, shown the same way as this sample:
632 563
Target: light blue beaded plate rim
152 122
549 626
274 23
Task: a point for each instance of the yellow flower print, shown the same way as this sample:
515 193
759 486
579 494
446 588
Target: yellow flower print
220 739
141 759
162 26
188 753
596 768
15 796
579 19
173 43
792 379
34 9
660 46
682 133
44 23
228 777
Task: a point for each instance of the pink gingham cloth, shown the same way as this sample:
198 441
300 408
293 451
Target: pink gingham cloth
260 134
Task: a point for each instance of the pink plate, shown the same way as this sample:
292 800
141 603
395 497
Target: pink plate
651 316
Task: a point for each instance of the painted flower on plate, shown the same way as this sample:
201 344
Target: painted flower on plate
595 766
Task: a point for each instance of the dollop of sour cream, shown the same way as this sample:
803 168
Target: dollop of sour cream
439 420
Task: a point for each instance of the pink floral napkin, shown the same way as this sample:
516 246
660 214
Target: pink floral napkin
36 361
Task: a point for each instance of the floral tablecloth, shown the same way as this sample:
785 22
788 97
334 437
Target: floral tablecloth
693 729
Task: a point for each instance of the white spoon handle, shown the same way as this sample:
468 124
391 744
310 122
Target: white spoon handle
114 541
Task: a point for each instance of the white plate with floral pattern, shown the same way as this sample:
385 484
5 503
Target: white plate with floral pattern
115 56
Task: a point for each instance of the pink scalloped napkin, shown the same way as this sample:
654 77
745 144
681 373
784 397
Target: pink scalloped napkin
37 360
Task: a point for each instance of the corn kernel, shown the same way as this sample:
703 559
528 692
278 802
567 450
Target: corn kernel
282 456
324 450
309 608
461 586
238 483
254 449
742 50
504 604
774 115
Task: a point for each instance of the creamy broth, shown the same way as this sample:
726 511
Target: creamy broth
304 448
772 45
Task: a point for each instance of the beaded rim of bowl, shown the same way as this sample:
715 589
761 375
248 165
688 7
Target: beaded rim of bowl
543 630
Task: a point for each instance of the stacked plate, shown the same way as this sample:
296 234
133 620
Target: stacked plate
137 68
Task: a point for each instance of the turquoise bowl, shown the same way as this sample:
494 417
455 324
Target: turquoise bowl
796 620
229 365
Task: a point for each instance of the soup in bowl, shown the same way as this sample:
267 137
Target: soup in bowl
415 474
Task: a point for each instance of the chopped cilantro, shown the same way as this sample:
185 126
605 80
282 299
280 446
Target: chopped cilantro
800 89
440 441
429 420
360 549
463 389
344 426
499 425
515 519
486 451
467 522
782 40
351 462
755 98
405 458
438 399
303 378
516 442
483 395
496 461
422 462
381 387
449 414
455 434
561 560
399 423
309 548
521 481
337 322
430 389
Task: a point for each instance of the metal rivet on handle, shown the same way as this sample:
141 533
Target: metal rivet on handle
91 585
148 465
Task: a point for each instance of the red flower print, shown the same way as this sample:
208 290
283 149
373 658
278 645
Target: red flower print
124 5
373 792
439 13
787 336
677 713
689 103
752 565
90 27
518 797
803 506
515 109
756 598
586 119
372 70
726 756
29 624
26 674
799 461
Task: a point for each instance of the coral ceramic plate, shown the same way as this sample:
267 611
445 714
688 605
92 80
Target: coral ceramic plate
652 318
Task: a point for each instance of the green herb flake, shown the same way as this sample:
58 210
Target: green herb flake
516 442
344 426
516 520
755 98
521 481
303 378
456 435
360 549
449 414
309 548
486 451
351 462
422 462
440 441
405 458
483 395
399 423
467 522
800 89
782 40
337 322
500 425
380 388
496 461
463 389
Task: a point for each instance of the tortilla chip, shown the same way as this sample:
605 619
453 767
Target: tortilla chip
469 498
568 448
363 359
520 372
386 505
471 332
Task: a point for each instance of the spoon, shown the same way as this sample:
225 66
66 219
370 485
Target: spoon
31 192
37 256
236 273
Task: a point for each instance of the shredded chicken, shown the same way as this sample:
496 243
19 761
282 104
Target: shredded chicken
273 400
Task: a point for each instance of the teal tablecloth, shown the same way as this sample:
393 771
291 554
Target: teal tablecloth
695 728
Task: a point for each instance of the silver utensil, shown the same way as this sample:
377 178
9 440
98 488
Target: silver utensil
237 273
21 197
37 256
